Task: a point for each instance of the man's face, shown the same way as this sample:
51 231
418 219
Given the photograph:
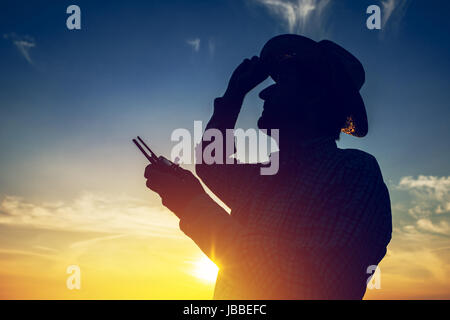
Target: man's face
287 102
279 103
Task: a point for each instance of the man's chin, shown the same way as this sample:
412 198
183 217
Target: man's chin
265 124
262 123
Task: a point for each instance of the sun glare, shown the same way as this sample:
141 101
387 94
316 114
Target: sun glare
205 269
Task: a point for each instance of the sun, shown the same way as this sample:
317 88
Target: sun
205 269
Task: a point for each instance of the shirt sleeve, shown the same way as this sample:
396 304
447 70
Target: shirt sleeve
225 179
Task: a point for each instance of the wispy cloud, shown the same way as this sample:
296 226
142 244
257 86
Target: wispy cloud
91 212
391 9
23 44
194 43
87 243
205 46
300 16
211 47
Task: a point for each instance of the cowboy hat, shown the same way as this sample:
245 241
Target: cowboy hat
345 70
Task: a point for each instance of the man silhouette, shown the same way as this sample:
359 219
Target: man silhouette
312 230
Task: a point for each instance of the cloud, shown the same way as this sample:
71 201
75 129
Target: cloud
442 227
419 273
87 243
438 187
211 47
429 204
194 43
23 44
431 195
91 212
300 16
206 45
393 8
45 249
419 253
445 207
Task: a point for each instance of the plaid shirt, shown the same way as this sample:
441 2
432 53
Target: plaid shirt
308 232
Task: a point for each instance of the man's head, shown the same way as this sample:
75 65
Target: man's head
316 88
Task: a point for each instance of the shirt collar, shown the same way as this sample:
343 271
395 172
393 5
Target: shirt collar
307 150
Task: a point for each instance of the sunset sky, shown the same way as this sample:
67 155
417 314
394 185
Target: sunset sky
72 190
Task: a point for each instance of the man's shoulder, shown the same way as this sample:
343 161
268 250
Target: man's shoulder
357 163
357 154
357 158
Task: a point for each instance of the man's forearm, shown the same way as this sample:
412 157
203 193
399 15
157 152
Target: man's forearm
226 112
209 226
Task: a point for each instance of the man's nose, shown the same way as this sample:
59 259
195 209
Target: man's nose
265 94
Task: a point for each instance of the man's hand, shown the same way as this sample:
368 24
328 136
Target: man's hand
175 186
246 77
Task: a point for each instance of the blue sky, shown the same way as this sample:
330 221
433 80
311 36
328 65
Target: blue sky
70 101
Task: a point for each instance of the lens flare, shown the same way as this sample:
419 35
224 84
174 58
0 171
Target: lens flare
205 269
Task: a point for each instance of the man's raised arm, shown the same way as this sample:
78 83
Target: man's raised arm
224 178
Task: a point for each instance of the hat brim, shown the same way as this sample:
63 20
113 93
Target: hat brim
357 124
